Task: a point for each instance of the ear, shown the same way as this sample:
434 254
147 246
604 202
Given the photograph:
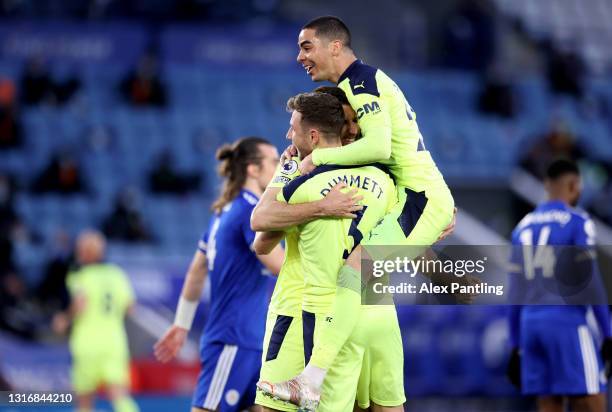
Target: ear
253 170
335 47
315 137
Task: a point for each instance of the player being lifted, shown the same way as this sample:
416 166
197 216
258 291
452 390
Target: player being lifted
554 353
376 364
390 135
231 342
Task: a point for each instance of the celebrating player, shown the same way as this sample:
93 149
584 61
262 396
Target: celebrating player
101 296
231 342
554 353
323 244
390 135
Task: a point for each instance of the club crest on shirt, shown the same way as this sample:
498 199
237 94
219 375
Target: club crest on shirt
290 167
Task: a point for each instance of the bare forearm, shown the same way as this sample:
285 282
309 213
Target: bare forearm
265 242
194 282
275 215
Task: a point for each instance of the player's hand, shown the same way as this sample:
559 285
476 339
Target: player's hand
450 228
339 204
513 371
288 154
306 165
606 354
60 323
169 345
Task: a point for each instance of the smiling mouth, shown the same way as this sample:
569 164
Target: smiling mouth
308 69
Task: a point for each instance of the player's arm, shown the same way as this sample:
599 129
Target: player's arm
169 345
375 143
273 260
272 215
265 242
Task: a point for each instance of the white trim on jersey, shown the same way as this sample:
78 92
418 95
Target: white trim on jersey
589 360
220 376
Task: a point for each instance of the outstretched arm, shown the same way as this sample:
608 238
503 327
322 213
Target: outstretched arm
167 347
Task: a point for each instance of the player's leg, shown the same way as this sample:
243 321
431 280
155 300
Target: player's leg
339 390
121 400
85 402
385 360
116 376
217 361
282 358
550 404
86 377
416 220
589 403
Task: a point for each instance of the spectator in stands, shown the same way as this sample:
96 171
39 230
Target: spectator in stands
10 124
143 86
36 84
52 294
62 175
469 35
496 96
558 142
164 178
125 222
565 71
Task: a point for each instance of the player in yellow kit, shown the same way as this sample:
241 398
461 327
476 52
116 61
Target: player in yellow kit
283 355
101 296
323 244
390 135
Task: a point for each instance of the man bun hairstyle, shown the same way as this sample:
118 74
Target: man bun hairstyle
331 28
234 159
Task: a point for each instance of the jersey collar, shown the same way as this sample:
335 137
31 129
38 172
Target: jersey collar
349 70
249 193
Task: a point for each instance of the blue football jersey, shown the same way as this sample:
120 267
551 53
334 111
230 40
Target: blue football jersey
559 353
239 287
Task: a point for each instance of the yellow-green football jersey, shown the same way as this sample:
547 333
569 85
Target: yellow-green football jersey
287 296
107 294
323 244
390 132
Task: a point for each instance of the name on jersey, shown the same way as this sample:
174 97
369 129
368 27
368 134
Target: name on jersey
358 181
373 107
558 216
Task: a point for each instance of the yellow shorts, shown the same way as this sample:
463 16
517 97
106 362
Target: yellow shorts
382 371
283 355
90 370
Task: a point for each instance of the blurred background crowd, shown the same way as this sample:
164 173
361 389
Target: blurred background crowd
111 111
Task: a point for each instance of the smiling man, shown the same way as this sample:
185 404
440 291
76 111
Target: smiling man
390 135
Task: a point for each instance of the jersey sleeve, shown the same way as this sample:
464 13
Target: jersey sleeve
245 227
203 242
375 144
285 173
125 289
73 283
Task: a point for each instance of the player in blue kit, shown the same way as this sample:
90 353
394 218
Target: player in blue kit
231 345
554 352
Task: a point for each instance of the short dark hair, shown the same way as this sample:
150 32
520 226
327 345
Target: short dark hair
330 27
320 110
335 91
560 168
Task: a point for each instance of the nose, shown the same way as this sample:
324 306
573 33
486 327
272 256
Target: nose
300 57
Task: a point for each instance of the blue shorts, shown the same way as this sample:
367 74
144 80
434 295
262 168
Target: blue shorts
227 379
560 359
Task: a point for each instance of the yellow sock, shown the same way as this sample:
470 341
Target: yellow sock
345 315
125 404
